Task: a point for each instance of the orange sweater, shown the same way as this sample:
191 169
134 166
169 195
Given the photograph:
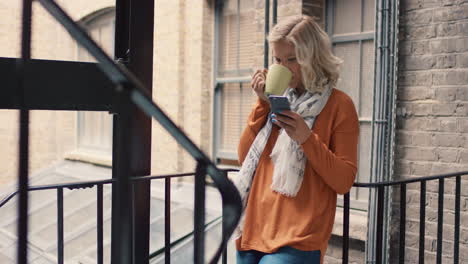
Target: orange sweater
304 222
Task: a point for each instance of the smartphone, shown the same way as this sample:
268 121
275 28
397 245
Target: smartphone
279 103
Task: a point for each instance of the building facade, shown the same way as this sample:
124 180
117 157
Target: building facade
204 53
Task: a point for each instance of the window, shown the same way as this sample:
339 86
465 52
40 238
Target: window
235 53
350 24
95 128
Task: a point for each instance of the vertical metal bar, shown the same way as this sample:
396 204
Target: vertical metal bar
238 38
456 238
380 214
23 163
440 220
120 235
345 253
122 29
402 223
267 30
216 130
199 221
422 221
100 223
122 238
132 149
141 63
60 225
167 220
223 230
275 12
329 16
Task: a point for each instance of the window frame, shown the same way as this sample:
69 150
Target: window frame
242 78
359 37
83 152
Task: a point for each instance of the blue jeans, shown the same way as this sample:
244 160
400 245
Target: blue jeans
284 255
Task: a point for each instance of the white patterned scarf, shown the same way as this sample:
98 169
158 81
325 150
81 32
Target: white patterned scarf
288 158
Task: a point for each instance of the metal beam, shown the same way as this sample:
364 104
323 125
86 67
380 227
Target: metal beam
132 131
56 85
141 63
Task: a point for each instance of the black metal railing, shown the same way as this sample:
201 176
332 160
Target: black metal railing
381 187
60 231
100 212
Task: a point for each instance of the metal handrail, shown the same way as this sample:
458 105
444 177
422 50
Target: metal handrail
90 184
381 188
379 185
71 185
126 82
410 180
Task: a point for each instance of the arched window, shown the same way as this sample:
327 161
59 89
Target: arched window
95 128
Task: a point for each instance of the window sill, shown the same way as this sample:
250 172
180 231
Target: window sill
90 157
357 224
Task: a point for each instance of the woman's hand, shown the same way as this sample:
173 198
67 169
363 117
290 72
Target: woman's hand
293 124
258 84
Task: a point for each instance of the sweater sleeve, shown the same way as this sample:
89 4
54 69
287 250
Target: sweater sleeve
256 121
336 165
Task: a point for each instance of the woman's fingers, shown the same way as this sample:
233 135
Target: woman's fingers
286 121
290 114
256 85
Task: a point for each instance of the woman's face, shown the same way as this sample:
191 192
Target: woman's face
285 54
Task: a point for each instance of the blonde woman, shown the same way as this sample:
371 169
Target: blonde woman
295 163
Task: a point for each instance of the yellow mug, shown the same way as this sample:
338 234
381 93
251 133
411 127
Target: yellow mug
277 80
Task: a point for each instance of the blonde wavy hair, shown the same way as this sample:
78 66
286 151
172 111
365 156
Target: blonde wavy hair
319 66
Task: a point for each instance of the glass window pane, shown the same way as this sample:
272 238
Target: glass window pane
352 17
237 100
95 128
365 134
349 78
347 17
367 79
236 39
369 15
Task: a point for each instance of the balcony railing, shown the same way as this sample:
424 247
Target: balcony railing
381 188
99 213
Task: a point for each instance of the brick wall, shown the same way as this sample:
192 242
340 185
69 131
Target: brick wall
432 123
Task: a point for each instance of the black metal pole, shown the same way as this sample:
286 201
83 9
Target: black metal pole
456 239
440 221
60 225
199 216
345 253
167 221
380 214
100 223
402 224
275 12
121 236
267 30
141 64
22 251
422 221
134 48
223 229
